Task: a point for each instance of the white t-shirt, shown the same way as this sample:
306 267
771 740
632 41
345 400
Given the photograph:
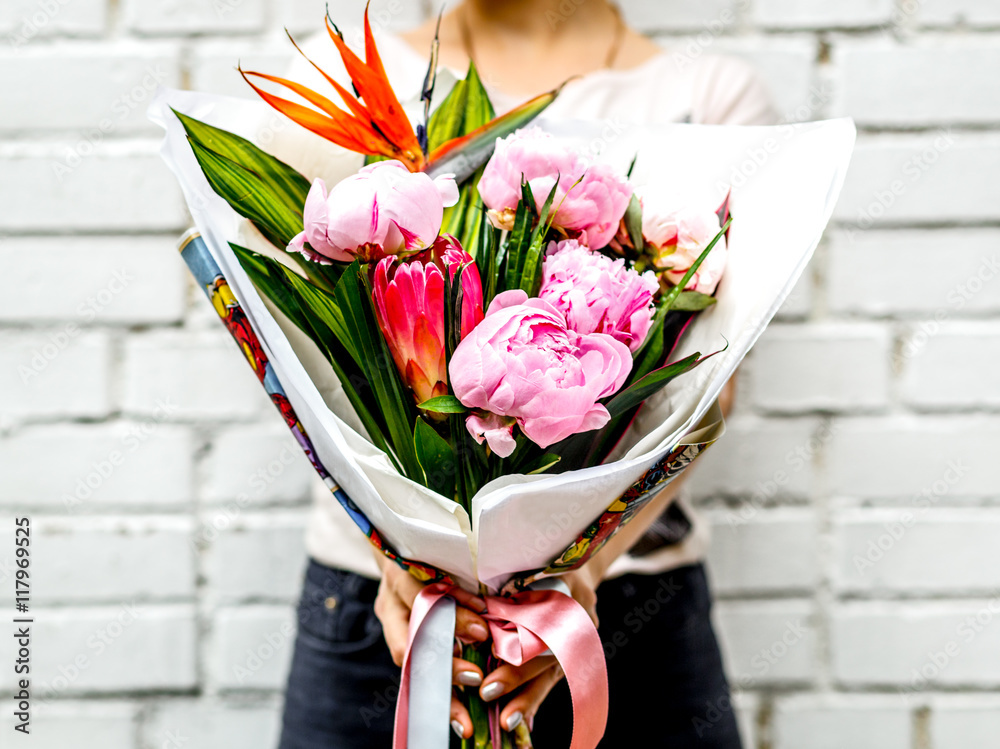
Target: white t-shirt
671 87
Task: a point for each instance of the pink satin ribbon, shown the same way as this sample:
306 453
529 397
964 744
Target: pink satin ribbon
524 627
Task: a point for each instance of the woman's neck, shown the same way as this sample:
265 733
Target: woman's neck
538 19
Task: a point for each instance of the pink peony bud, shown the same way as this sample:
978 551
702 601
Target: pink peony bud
523 363
382 210
590 201
409 305
678 237
597 294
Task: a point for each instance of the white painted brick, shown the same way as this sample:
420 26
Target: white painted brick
917 550
958 722
100 280
911 645
253 647
773 552
120 81
972 12
55 466
799 303
194 16
307 15
860 264
835 721
25 21
671 15
126 558
812 14
952 365
759 458
213 65
829 367
78 189
256 464
204 375
54 372
82 725
114 649
747 707
213 725
924 83
257 556
909 457
767 642
921 178
787 67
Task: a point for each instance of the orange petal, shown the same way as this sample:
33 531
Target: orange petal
358 109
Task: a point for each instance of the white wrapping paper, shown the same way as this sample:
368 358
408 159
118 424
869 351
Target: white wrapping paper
784 180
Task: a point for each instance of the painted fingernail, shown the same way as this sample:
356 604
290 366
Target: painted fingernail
478 632
491 691
514 721
469 679
458 728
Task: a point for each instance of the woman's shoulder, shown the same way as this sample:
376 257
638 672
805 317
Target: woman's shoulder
725 90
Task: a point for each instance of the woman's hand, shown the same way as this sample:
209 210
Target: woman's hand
531 683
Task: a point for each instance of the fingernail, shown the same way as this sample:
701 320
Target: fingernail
514 721
458 728
469 679
491 691
478 632
479 603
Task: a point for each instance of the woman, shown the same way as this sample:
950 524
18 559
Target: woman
647 587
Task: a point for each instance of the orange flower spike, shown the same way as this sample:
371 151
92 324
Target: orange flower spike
356 107
373 86
343 131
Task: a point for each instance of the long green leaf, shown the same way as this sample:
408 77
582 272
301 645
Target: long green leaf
650 384
531 273
288 185
436 458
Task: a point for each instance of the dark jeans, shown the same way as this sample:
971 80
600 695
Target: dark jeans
667 684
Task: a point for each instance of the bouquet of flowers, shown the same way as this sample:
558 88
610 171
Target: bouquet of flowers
510 323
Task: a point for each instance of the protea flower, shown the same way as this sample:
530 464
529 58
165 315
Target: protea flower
409 304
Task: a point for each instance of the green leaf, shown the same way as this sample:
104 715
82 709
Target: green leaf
650 384
670 299
466 108
353 297
693 301
541 464
250 196
436 458
288 184
274 281
531 274
633 223
444 404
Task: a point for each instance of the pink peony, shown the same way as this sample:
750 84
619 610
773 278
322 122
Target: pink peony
678 237
382 210
597 294
409 305
523 364
591 198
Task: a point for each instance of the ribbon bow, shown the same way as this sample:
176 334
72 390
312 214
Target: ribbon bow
524 626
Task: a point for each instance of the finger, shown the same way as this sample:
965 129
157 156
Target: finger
470 627
470 601
395 618
466 674
405 585
524 705
461 723
507 678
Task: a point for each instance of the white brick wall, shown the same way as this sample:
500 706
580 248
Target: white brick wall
854 502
